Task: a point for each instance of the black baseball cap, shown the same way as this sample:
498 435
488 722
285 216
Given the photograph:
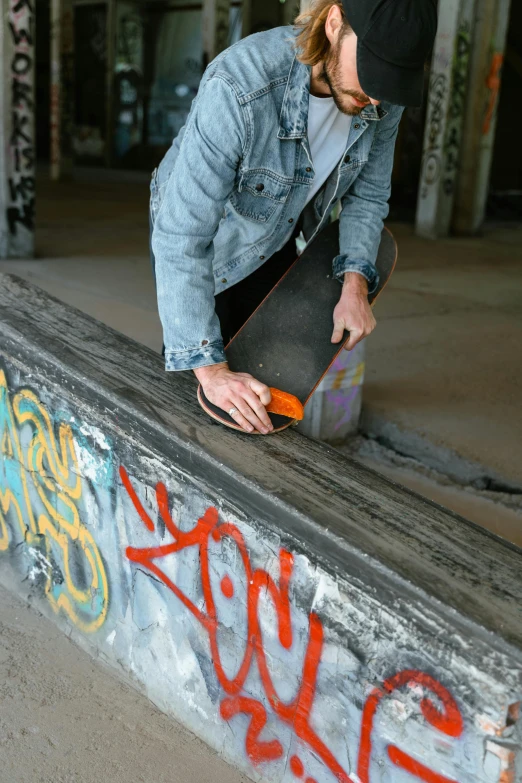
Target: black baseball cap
395 38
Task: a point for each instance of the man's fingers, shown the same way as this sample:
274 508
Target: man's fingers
251 417
244 399
338 331
262 391
355 337
258 408
238 417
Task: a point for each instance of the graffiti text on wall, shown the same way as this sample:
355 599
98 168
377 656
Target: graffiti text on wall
446 103
435 131
440 713
40 498
21 186
456 107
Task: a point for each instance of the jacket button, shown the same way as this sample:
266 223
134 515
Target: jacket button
308 169
357 126
224 280
261 258
260 187
347 159
291 220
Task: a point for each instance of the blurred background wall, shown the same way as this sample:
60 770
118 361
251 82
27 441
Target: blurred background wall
135 66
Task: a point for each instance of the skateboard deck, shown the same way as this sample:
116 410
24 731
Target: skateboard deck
286 342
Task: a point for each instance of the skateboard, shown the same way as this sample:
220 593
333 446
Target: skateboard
286 342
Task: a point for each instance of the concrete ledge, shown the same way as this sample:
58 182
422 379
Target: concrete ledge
307 618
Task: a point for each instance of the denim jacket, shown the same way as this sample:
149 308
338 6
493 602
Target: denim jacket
227 194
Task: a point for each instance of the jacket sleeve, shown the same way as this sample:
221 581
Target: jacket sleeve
187 222
365 206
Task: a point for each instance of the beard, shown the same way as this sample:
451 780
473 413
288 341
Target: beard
331 75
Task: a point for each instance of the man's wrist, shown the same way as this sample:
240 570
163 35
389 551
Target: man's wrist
204 373
355 283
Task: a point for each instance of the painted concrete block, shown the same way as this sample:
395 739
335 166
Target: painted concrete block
334 411
295 655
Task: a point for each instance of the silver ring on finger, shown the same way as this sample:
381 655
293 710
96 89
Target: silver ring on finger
232 412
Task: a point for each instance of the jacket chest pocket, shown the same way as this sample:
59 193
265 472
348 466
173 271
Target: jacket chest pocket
259 195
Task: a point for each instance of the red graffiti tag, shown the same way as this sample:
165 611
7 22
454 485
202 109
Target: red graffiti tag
257 751
297 712
448 722
493 83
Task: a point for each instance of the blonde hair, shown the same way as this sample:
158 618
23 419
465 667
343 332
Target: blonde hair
312 42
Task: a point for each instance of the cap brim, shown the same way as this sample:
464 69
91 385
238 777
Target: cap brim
384 81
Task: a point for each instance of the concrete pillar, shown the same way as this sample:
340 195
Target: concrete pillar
461 116
216 24
492 18
334 411
17 139
62 89
447 98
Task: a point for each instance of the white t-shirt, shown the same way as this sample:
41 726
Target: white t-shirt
328 130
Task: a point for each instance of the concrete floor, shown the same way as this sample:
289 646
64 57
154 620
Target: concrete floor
445 363
92 252
66 719
501 513
443 373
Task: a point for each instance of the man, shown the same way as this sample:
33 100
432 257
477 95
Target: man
286 123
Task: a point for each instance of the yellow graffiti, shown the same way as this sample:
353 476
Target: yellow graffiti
52 466
356 380
8 500
11 451
359 374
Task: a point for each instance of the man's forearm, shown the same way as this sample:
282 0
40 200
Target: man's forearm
365 205
186 223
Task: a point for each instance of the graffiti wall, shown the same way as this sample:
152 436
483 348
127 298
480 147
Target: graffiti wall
290 670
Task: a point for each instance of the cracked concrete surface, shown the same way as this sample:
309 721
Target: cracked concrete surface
66 719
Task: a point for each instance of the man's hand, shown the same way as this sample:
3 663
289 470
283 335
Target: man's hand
353 311
240 391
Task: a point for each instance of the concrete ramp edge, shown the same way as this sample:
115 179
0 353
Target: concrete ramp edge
305 617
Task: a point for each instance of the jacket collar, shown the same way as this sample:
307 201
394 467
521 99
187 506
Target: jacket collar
293 120
373 113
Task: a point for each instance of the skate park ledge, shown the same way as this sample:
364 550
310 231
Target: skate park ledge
306 618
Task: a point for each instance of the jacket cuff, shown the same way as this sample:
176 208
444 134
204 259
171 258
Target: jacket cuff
195 357
342 264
